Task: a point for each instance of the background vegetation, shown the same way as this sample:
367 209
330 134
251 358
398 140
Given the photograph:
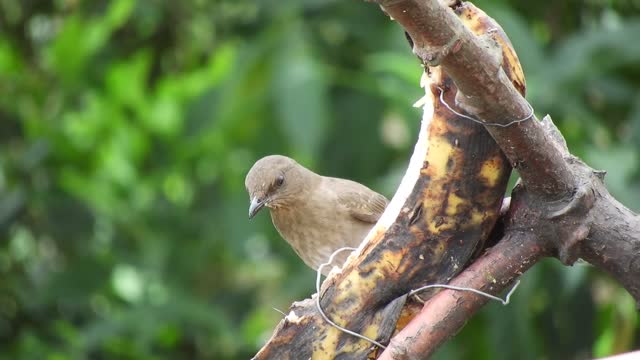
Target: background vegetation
126 129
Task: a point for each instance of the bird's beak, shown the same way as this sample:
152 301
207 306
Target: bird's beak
256 205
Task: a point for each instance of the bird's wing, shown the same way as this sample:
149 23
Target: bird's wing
361 202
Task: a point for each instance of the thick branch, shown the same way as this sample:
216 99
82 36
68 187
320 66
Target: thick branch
562 191
614 242
474 63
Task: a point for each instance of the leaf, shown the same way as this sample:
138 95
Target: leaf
404 66
126 81
80 39
300 93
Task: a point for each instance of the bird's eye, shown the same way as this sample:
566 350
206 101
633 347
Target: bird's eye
279 180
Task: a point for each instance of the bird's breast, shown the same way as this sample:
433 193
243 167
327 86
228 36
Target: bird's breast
315 233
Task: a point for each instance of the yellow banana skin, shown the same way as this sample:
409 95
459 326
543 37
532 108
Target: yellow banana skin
454 188
481 24
493 169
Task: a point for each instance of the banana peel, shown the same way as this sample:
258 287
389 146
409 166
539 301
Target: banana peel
445 207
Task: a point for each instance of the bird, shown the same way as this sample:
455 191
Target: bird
315 214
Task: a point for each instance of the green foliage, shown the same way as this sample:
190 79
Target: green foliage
127 129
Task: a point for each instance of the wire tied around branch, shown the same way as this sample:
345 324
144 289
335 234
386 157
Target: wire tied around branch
484 122
504 301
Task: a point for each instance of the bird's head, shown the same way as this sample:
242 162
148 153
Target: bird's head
274 181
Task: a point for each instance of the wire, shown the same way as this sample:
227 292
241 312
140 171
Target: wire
480 121
326 318
504 301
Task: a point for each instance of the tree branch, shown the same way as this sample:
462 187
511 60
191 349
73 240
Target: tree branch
563 193
440 38
448 311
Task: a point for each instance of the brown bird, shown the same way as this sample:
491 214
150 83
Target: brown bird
315 214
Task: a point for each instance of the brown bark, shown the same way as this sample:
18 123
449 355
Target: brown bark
609 236
475 64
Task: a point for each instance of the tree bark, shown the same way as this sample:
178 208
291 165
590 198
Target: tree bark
565 190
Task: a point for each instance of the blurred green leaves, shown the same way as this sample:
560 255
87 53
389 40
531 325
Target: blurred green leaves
300 87
79 40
